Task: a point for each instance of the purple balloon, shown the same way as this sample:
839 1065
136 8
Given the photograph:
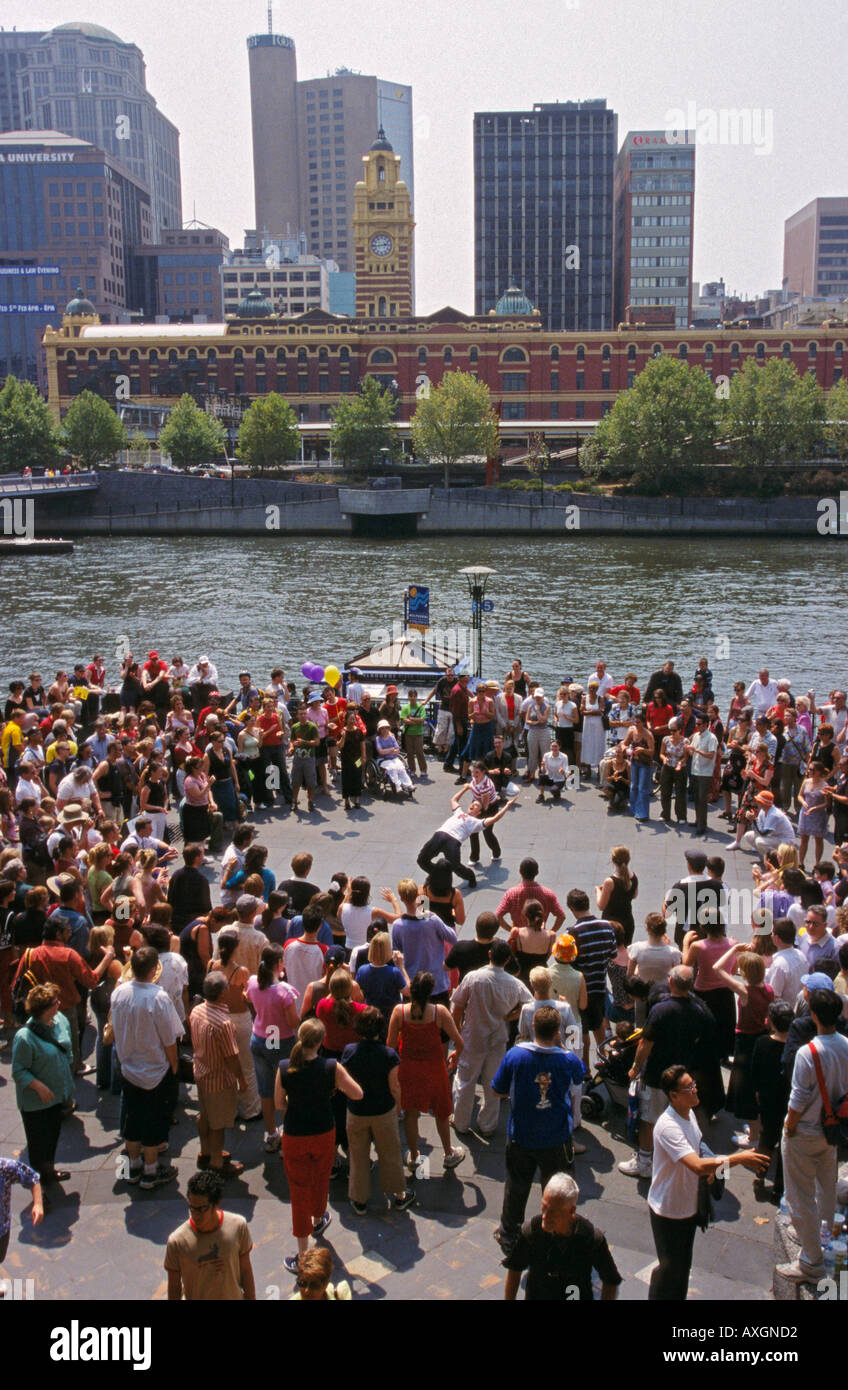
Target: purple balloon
306 671
317 673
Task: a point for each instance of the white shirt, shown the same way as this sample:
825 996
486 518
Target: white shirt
775 822
356 921
805 1096
674 1187
460 826
784 973
570 1030
835 717
703 759
207 677
555 766
654 962
355 691
488 995
69 789
605 682
23 788
566 712
761 697
173 979
145 1023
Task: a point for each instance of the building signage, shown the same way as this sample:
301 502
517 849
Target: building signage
270 41
29 270
27 308
37 157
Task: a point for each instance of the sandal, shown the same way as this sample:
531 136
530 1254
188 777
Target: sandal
229 1169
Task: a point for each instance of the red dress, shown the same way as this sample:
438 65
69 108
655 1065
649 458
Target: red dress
423 1074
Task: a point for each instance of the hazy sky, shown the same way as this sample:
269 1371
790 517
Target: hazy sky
783 61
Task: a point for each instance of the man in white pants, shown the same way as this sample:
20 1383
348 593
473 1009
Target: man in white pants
536 711
483 1004
773 827
809 1161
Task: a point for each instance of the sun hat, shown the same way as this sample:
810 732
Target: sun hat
72 814
565 948
765 798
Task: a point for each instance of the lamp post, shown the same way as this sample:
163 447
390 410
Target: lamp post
477 577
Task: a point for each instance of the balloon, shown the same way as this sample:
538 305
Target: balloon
332 676
317 673
306 670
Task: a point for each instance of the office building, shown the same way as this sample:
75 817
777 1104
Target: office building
654 209
309 138
289 279
815 249
180 275
70 216
84 81
543 210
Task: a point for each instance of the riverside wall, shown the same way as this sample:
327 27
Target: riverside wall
144 504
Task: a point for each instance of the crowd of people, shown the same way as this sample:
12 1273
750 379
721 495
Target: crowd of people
337 1022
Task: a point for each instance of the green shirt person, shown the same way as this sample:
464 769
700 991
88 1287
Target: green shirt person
412 716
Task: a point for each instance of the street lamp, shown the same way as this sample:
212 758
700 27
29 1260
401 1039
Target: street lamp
477 577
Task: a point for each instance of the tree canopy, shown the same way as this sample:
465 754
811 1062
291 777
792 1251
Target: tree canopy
28 434
364 426
91 430
455 421
268 435
191 436
772 414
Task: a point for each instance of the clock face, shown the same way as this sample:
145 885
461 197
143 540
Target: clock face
381 244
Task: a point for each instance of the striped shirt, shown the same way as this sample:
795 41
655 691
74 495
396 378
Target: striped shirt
214 1040
513 900
595 949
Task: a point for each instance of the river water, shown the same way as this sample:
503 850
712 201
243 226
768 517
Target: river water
558 604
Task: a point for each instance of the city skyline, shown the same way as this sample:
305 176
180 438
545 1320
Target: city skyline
646 64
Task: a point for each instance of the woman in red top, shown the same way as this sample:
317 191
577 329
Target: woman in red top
335 707
415 1030
753 999
337 1011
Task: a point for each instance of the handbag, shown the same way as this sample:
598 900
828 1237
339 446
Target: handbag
834 1121
708 1194
23 984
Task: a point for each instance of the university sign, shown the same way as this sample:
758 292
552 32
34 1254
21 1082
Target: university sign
37 157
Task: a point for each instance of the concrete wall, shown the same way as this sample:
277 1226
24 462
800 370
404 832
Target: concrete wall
141 504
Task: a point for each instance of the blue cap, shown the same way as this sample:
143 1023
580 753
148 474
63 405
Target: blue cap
818 980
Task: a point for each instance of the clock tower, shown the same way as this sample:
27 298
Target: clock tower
382 236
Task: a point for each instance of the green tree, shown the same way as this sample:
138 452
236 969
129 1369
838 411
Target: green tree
138 442
190 435
837 417
91 430
660 433
455 421
539 460
364 426
772 415
28 434
268 435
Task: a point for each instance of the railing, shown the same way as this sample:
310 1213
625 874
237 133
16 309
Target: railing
13 485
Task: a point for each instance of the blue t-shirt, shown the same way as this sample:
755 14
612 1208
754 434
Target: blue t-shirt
538 1081
325 934
381 985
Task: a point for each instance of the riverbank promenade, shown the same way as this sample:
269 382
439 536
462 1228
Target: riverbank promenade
104 1240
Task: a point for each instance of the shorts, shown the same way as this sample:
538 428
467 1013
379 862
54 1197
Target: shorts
218 1108
594 1013
146 1115
652 1103
266 1060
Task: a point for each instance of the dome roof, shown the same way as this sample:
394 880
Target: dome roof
79 304
513 301
89 31
381 143
254 306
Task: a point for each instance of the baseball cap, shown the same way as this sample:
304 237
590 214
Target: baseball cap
817 980
246 902
335 955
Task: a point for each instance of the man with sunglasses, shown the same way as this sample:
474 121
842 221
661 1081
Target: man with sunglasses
208 1257
681 1159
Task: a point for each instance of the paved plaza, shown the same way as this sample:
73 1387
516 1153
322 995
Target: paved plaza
103 1239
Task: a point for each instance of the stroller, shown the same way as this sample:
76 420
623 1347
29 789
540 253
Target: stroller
616 1053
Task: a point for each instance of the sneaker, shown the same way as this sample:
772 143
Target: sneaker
290 1263
164 1174
471 880
361 1208
136 1173
272 1142
405 1202
635 1167
733 844
453 1160
791 1233
321 1224
797 1272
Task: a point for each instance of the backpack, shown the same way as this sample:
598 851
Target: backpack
23 984
834 1118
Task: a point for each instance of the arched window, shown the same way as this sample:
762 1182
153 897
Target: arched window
554 353
381 172
515 354
323 355
382 307
192 354
281 356
473 354
761 352
812 350
92 358
605 352
448 356
683 351
301 355
381 356
708 352
786 351
211 355
70 358
631 352
581 353
134 357
113 360
734 352
238 356
344 355
422 357
153 357
173 357
260 357
656 350
837 351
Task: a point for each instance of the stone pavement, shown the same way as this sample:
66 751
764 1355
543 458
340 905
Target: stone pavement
105 1240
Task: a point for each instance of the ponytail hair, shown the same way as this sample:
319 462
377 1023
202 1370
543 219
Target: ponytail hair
341 986
227 946
310 1036
273 908
272 954
420 990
